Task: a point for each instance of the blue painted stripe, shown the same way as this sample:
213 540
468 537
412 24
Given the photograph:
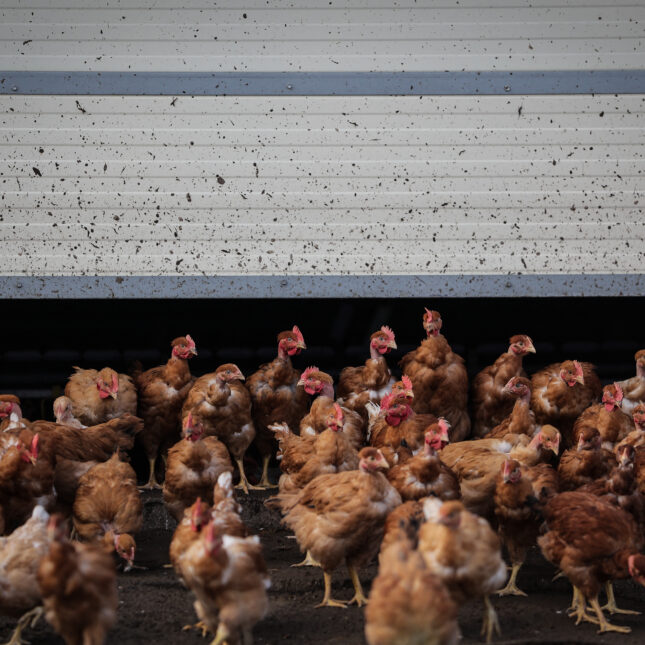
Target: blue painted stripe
325 83
340 286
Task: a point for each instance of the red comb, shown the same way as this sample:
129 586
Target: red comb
191 342
407 383
115 382
339 413
619 392
298 334
308 372
578 367
428 314
444 425
386 401
188 422
388 332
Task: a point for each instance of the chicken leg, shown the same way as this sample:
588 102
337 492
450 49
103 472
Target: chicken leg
359 597
327 600
605 625
244 482
511 588
579 608
221 635
490 623
611 606
152 480
26 620
264 481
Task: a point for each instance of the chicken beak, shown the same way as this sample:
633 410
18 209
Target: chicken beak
531 349
113 395
301 382
301 345
240 376
580 379
193 351
391 344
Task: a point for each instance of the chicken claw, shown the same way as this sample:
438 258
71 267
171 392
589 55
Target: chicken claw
327 600
26 620
200 625
605 625
152 481
611 606
221 636
490 624
511 588
244 482
264 481
579 608
359 597
309 561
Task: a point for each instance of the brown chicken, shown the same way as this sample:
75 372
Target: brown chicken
195 518
162 391
341 516
463 551
521 420
424 474
314 422
519 493
10 412
226 513
634 387
78 587
108 507
560 392
439 378
277 397
20 555
223 405
402 525
636 437
477 463
229 579
26 478
372 381
398 424
63 411
408 604
586 462
193 467
490 403
100 395
611 422
592 542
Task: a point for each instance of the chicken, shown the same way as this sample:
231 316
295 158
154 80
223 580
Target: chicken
611 422
229 579
195 518
592 542
439 378
108 507
636 437
408 604
586 462
226 512
10 411
100 395
402 525
634 387
463 551
424 474
20 555
314 422
223 405
64 414
369 382
341 516
398 423
78 587
193 467
276 396
560 392
162 391
329 452
26 478
517 511
490 404
477 463
521 420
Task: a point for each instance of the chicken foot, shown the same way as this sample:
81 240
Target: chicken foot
578 608
611 606
152 480
221 635
490 624
309 561
200 625
26 620
244 482
511 588
605 625
264 481
359 597
327 600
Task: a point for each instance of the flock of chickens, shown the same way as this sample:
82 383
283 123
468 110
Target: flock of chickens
408 470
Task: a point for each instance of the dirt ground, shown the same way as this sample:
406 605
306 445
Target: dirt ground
154 606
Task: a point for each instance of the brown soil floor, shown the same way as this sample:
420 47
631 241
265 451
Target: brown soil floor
154 606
